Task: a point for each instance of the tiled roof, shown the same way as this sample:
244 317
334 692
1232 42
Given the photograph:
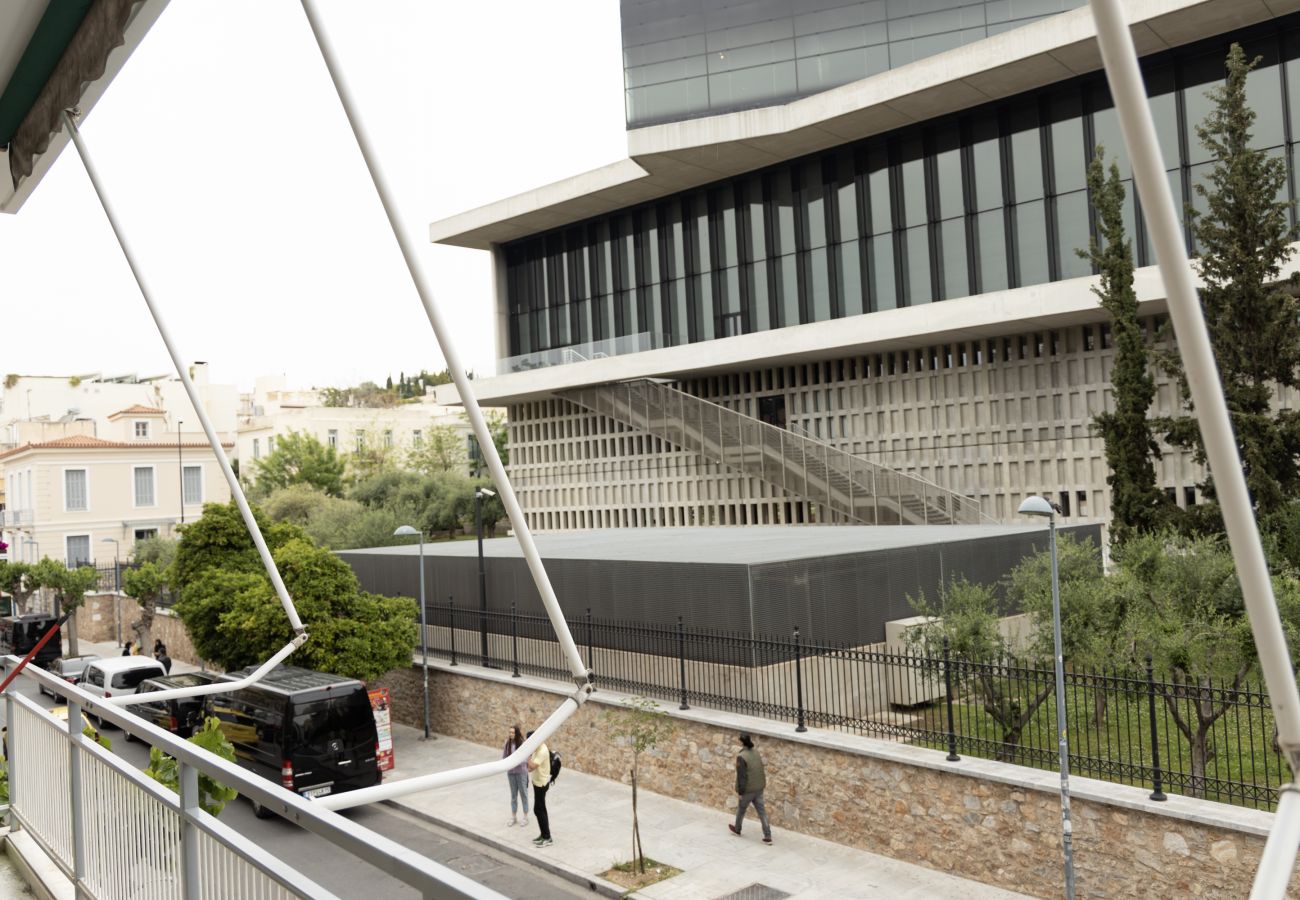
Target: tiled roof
86 442
138 410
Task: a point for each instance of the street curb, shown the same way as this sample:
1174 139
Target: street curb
594 884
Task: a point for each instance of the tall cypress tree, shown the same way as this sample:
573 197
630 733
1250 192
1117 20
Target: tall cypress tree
1136 504
1254 321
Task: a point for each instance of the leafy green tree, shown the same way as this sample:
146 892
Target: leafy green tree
235 619
1252 314
299 458
1137 503
16 580
1183 605
219 538
640 725
158 550
346 525
213 796
373 457
74 585
145 583
297 504
442 450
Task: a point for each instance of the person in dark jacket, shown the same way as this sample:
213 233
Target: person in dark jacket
750 781
126 650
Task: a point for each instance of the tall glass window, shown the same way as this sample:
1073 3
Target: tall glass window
986 200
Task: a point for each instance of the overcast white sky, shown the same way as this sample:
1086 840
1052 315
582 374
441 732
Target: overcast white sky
229 159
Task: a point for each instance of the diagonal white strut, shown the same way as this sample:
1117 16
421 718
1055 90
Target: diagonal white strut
300 633
1121 62
581 676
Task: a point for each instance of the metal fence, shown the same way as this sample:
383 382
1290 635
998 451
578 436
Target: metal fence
115 833
1200 738
111 576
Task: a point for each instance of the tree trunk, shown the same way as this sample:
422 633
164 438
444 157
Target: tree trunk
73 649
638 858
1099 699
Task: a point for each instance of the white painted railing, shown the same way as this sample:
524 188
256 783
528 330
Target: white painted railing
119 835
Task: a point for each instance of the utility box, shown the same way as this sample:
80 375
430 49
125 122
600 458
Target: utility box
912 686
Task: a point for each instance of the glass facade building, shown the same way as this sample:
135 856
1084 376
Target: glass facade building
988 199
689 58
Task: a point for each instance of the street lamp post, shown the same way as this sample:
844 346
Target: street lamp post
482 576
1040 506
405 531
117 588
180 467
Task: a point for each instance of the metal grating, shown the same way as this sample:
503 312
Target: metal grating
756 892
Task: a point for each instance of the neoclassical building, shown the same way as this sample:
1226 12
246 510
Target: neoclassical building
836 278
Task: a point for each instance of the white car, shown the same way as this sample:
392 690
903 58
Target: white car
118 675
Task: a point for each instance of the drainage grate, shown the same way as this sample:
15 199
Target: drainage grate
756 892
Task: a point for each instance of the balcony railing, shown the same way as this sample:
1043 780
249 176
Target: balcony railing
17 518
563 356
115 833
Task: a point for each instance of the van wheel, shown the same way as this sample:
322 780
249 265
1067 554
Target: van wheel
260 811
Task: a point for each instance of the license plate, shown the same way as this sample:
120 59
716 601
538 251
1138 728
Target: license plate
316 792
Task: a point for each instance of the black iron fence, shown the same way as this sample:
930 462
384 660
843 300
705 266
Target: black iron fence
1201 738
111 577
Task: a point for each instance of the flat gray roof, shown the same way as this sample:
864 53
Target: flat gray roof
735 545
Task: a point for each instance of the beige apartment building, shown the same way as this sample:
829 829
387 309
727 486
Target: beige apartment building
80 497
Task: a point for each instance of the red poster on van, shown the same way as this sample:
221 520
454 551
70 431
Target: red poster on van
381 704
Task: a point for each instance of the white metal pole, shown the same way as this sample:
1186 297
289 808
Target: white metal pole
1120 59
181 371
424 640
1062 742
463 385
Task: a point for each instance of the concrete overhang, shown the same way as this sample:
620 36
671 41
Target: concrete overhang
665 159
1032 308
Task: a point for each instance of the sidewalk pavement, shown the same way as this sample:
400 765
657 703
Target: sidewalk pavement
591 822
111 648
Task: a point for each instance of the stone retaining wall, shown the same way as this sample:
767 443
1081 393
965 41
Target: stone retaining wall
984 820
97 620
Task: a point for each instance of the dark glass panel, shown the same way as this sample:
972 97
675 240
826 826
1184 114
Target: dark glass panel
1264 93
701 250
956 279
917 259
880 258
1201 74
1026 153
882 220
1106 131
1031 242
787 291
1072 234
911 178
1069 160
846 196
1164 109
756 247
812 201
725 236
986 160
949 197
759 296
848 257
782 200
819 285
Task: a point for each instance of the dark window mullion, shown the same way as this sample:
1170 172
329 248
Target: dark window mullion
899 226
1049 188
1008 197
933 229
774 283
862 198
800 247
830 209
691 264
968 207
744 234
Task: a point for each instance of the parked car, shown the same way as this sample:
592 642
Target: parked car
179 715
70 668
312 732
19 634
119 675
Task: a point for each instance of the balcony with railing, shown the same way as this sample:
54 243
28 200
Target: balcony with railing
17 518
576 353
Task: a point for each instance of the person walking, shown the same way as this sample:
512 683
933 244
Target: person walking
160 654
126 650
518 776
750 781
539 770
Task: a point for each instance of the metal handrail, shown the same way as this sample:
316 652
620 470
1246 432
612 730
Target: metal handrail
634 401
432 879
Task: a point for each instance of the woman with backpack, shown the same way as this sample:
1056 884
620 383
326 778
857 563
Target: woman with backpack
539 770
518 776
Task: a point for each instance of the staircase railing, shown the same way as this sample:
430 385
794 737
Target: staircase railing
792 460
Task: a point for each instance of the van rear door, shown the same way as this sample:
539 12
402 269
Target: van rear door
334 744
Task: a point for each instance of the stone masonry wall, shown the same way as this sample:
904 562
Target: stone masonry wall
984 820
97 621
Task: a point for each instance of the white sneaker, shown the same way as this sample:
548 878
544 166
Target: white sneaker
513 821
525 822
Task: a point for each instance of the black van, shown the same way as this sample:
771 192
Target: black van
311 731
19 634
180 715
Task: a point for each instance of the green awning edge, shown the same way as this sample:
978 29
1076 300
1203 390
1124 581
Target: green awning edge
59 23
